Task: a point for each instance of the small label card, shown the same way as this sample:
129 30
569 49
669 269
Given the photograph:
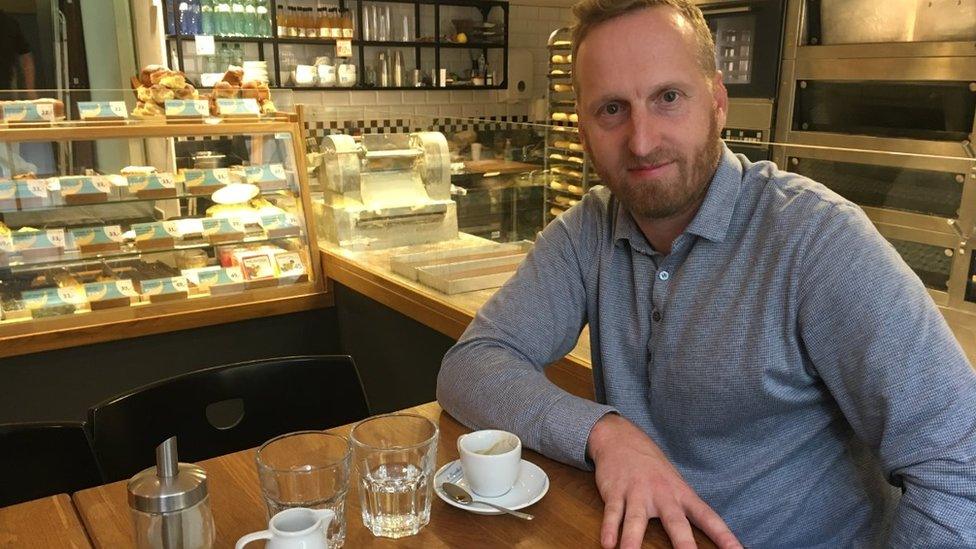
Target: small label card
217 279
28 112
156 234
84 189
157 185
205 44
102 110
97 239
54 297
8 195
279 225
187 109
38 240
268 177
238 108
222 228
103 291
159 286
205 181
343 48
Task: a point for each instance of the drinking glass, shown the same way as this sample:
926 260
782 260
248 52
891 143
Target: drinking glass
395 456
307 469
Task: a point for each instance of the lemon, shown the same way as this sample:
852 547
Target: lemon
461 38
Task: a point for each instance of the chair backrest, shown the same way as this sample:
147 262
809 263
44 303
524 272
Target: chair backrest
225 409
43 459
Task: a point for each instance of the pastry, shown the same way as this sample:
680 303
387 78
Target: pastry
234 77
186 92
145 74
160 94
173 80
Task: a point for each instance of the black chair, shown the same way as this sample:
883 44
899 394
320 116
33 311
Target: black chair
43 459
225 409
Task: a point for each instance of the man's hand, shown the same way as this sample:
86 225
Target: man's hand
638 483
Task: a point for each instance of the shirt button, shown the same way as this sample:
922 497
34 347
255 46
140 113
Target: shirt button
656 316
663 275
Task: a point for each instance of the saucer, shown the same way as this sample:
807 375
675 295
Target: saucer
532 483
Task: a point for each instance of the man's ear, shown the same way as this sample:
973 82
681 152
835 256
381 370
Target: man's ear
720 96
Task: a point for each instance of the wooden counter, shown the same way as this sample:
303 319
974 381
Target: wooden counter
569 515
47 522
368 272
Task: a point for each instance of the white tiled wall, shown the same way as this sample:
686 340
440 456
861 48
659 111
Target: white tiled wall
530 27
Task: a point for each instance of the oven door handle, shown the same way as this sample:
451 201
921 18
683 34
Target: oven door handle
725 11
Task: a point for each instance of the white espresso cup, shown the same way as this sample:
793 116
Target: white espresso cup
296 528
491 460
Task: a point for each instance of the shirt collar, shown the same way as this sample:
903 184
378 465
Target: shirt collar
714 216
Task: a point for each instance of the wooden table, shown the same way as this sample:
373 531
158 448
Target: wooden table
568 516
47 522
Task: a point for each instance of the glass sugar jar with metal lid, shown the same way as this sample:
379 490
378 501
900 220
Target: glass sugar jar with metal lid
170 503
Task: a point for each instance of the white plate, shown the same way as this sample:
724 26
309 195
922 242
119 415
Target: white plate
531 484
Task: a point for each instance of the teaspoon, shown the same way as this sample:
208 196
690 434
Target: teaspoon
462 496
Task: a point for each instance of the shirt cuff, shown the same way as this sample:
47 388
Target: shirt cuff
567 429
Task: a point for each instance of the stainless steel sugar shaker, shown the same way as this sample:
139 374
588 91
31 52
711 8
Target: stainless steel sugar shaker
170 503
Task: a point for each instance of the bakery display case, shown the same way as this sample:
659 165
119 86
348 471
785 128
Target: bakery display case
120 227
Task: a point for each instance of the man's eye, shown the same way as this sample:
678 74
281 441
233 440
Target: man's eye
612 108
670 96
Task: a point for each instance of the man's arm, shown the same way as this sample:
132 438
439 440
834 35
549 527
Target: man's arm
494 376
887 356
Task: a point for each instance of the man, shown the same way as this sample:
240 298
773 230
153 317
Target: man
14 53
766 366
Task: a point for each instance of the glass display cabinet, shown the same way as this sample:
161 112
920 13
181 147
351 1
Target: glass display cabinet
154 224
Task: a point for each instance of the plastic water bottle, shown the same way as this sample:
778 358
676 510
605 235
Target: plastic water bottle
237 17
263 18
170 17
222 18
186 18
249 27
207 17
195 14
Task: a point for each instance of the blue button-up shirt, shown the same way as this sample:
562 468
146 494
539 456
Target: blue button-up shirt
783 356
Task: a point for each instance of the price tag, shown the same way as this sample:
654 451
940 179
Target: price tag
187 108
222 226
158 286
102 110
14 113
238 107
205 45
343 48
36 187
72 294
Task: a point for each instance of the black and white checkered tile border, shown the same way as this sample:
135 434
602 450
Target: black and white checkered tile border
318 129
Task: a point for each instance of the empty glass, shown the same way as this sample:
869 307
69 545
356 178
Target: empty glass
307 469
395 457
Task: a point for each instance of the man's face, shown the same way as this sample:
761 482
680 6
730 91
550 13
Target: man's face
649 118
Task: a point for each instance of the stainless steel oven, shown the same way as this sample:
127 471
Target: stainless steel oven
880 106
748 38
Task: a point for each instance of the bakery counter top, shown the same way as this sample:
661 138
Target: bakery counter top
369 273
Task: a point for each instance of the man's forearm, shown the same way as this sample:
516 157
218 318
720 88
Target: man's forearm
485 385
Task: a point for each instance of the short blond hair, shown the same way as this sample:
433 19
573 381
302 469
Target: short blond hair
590 13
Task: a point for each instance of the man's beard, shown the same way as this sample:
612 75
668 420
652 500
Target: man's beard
663 198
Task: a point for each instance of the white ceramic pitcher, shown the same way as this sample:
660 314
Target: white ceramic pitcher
296 528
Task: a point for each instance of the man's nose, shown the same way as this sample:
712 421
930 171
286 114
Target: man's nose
644 135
